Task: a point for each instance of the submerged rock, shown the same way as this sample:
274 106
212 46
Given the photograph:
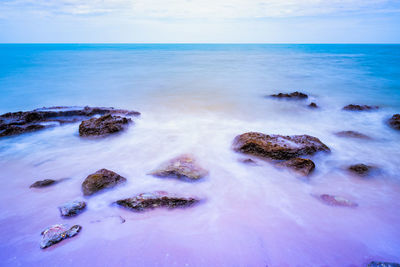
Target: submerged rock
336 201
353 107
100 180
295 95
183 166
57 233
248 161
361 169
72 208
104 125
352 134
158 199
299 165
383 264
394 121
43 183
277 146
312 105
14 123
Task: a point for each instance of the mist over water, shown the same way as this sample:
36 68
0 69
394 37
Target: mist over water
195 99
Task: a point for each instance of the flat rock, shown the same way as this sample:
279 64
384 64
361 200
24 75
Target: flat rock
43 183
158 199
277 146
183 166
105 125
100 180
299 165
352 134
383 264
394 121
353 107
361 169
14 123
295 96
56 233
336 201
72 208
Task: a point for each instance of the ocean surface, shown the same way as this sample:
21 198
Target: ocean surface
195 99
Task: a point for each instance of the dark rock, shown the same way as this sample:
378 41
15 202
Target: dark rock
352 107
248 161
72 208
336 201
301 166
295 95
43 183
312 105
352 134
383 264
100 180
394 121
183 166
277 146
157 199
57 233
361 169
14 123
106 124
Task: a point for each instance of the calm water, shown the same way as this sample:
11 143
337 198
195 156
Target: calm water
196 99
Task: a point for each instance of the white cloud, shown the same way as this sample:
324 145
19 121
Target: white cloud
199 9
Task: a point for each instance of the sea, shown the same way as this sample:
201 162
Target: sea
194 99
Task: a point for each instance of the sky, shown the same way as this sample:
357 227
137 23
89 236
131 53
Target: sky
200 21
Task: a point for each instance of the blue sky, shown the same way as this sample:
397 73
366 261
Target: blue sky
199 21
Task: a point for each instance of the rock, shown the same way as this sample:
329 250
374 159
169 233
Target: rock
295 95
299 165
159 199
72 208
100 180
336 201
57 233
183 166
14 123
353 107
352 134
394 121
277 146
383 264
104 125
312 105
43 183
248 161
361 169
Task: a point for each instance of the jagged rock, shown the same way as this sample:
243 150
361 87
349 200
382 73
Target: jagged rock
295 95
14 123
183 166
361 169
312 105
277 146
106 124
352 134
72 208
394 121
383 264
100 180
353 107
43 183
159 199
299 165
336 201
57 233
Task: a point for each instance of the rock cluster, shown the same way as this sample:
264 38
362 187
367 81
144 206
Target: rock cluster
101 180
58 232
295 95
159 199
353 107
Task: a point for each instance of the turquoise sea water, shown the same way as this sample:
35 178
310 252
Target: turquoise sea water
196 99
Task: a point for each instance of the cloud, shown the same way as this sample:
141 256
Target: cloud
199 9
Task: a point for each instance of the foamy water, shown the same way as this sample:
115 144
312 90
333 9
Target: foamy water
196 99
